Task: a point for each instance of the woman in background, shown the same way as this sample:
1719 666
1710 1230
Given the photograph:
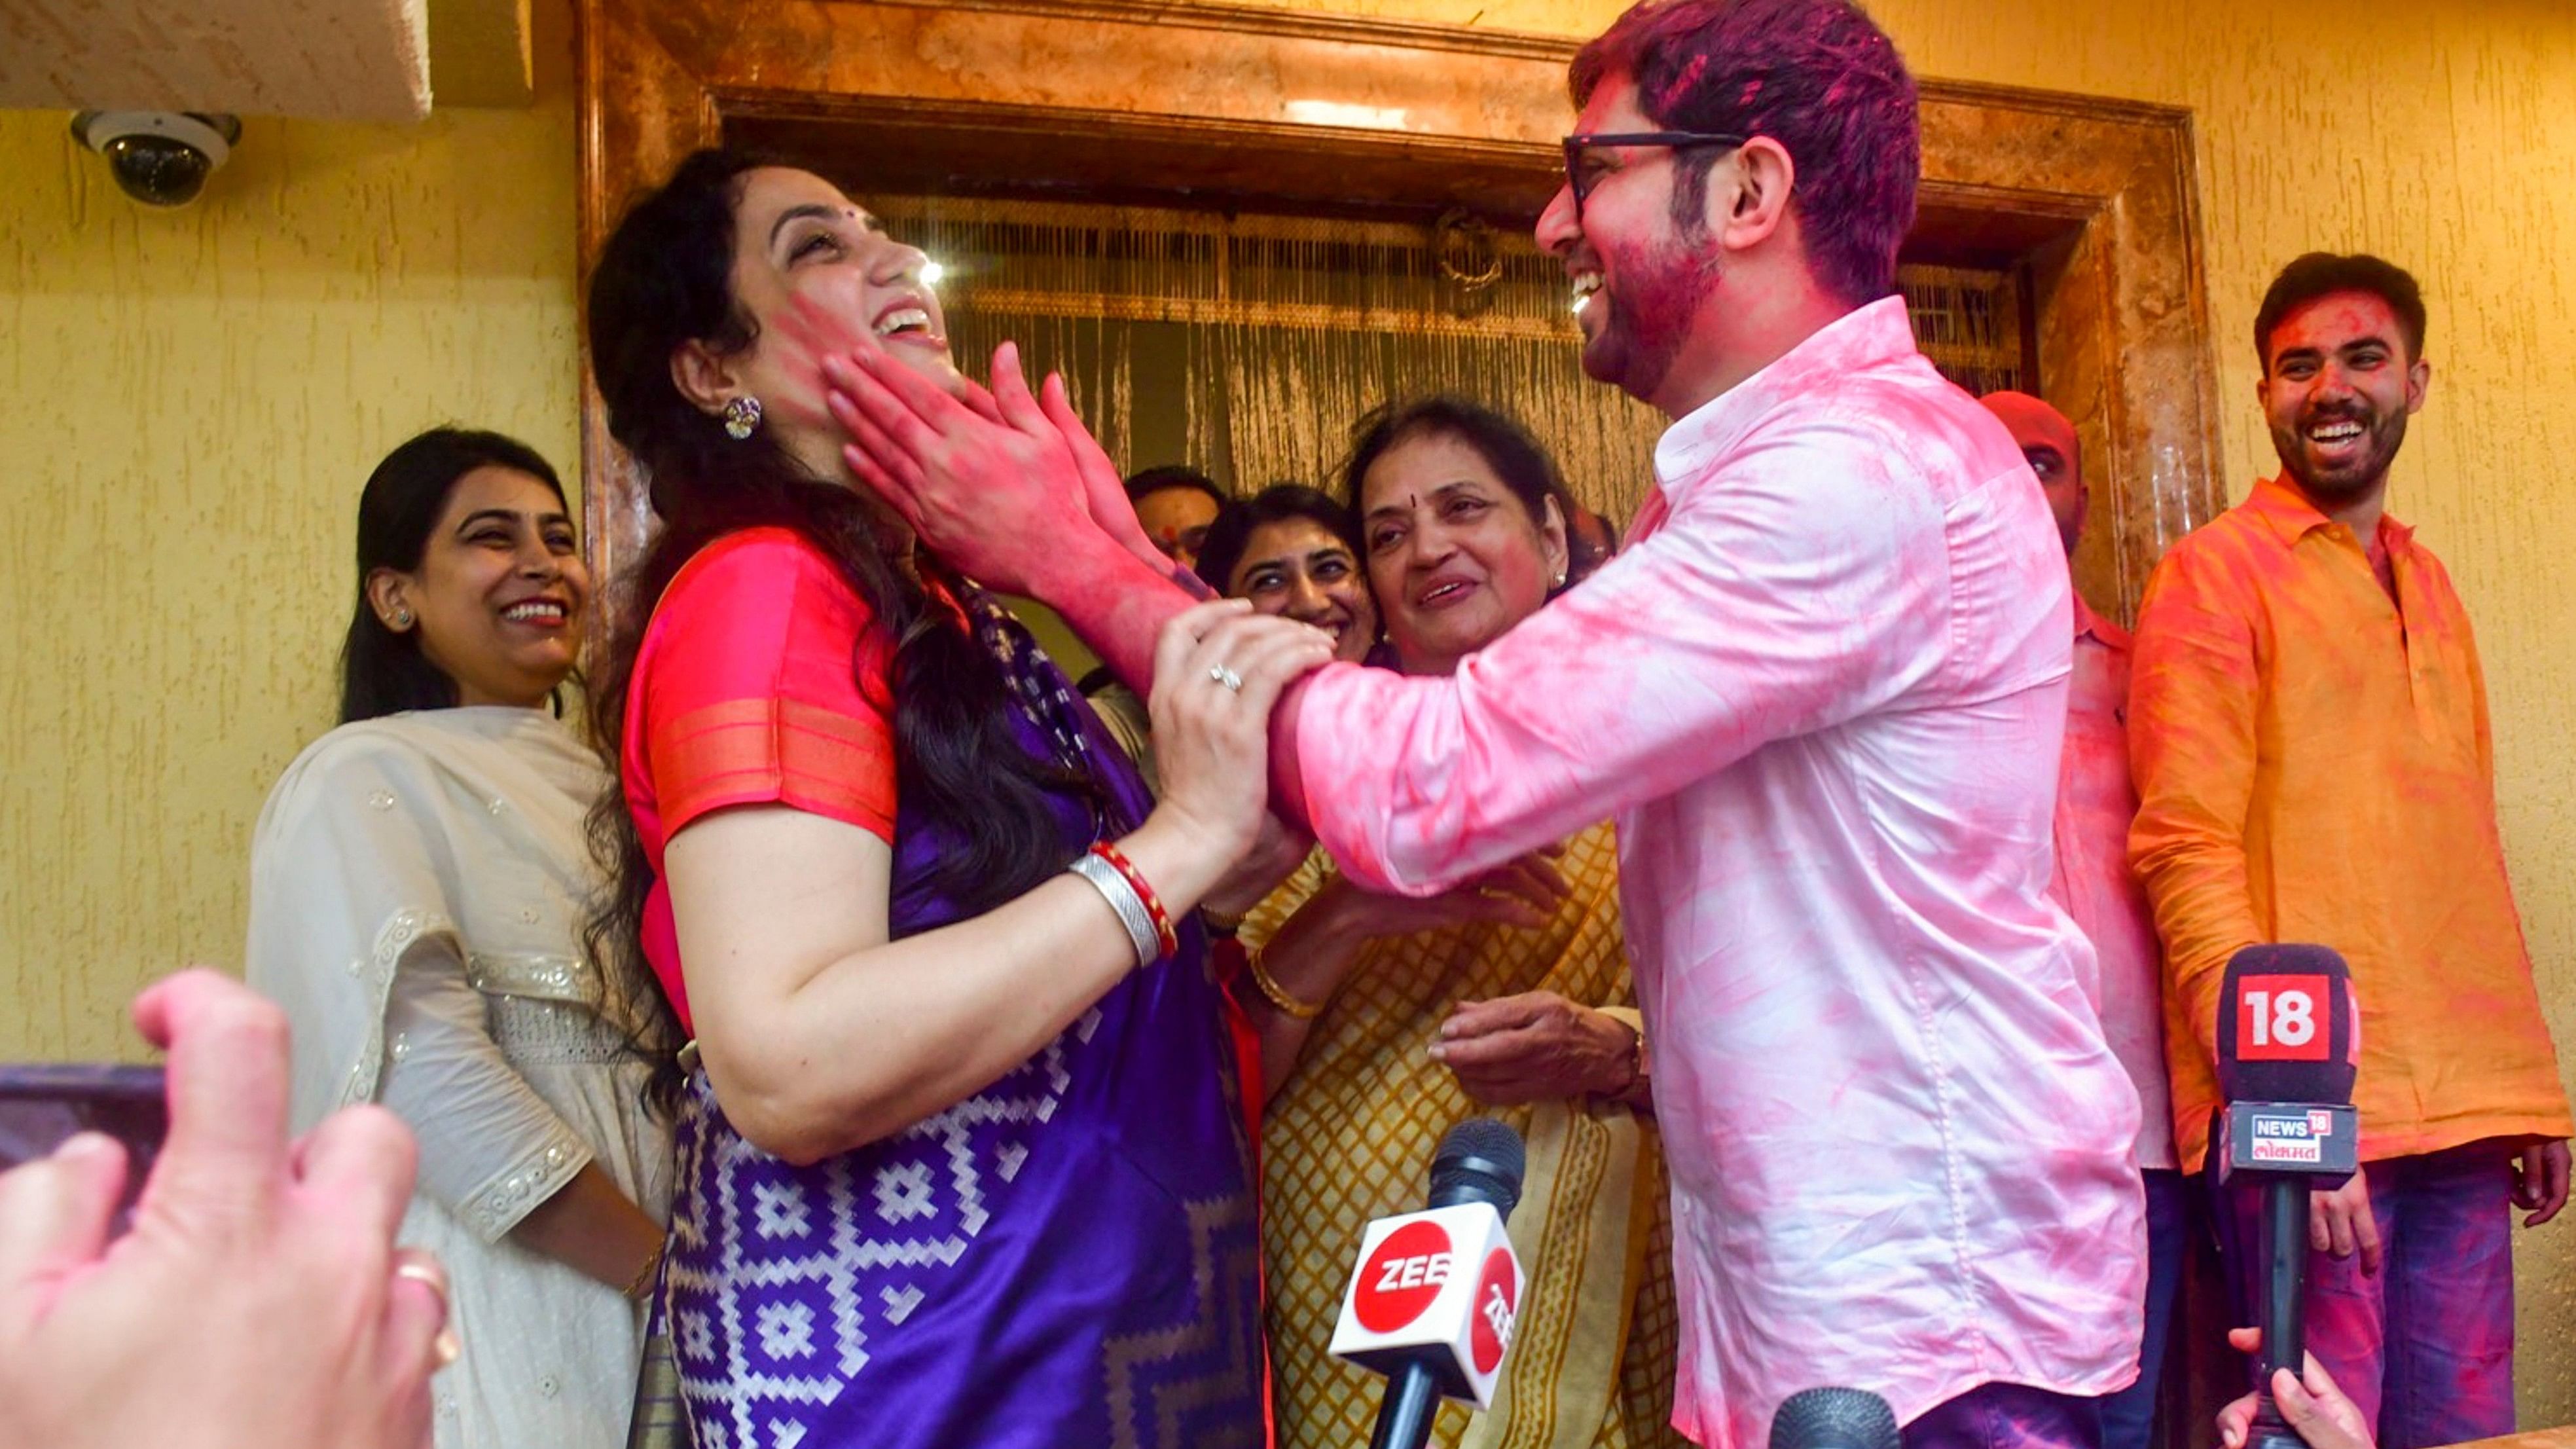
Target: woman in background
418 886
1384 1020
1295 552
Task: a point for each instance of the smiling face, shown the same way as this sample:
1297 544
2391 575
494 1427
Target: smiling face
499 593
2338 386
1301 569
1638 284
1453 557
817 275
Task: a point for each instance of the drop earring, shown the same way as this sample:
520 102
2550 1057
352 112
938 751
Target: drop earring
742 418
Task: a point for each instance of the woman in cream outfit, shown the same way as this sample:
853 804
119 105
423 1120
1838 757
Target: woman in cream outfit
418 885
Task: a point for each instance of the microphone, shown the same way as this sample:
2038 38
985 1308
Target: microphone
1432 1303
2286 1047
1834 1419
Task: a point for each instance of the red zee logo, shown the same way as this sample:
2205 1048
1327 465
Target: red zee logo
2282 1019
1401 1277
1498 1298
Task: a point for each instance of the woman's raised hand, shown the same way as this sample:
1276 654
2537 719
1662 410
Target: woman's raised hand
1218 670
1001 483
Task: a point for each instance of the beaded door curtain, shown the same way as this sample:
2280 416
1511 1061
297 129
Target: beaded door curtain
1246 345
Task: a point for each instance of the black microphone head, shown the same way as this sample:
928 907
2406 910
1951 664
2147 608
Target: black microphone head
1481 1160
1834 1419
2286 1027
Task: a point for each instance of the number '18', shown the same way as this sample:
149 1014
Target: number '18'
2291 1018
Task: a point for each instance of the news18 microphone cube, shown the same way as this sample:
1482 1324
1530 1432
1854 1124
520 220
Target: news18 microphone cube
2287 1060
2287 1046
1440 1287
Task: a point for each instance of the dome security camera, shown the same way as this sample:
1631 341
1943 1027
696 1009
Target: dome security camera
160 158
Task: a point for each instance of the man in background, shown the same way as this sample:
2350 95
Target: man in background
2310 733
2092 880
1176 504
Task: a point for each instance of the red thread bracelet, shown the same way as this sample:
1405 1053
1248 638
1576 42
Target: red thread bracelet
1118 861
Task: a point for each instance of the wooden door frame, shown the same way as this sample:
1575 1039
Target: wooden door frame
1229 103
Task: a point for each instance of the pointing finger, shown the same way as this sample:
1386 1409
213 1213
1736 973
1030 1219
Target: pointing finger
226 1152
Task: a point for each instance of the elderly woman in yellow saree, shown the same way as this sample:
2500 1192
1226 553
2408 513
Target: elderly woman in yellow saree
1385 1020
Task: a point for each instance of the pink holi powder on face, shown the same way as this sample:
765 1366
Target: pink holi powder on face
1653 283
2340 358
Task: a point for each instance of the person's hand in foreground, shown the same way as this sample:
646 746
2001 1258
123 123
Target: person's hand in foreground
257 1302
2309 1400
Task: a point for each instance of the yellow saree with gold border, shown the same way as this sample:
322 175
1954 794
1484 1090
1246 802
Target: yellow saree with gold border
1350 1137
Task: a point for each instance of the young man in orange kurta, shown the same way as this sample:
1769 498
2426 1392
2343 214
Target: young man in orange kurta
2309 729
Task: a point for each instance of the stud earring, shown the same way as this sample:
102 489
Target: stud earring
742 418
401 619
1560 579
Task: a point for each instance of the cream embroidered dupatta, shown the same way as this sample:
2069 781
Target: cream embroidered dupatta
418 885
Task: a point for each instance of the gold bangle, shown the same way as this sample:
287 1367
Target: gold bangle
1276 993
642 1283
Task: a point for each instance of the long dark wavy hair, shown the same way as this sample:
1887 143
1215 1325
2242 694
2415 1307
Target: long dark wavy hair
665 279
383 671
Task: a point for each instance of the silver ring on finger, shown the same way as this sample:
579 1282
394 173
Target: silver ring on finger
1232 681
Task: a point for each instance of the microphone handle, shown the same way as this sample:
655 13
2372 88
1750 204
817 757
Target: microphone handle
2284 1308
1412 1402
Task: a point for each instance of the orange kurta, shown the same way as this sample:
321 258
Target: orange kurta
2313 764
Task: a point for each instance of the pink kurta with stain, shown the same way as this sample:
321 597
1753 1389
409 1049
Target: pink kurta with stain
1823 695
2092 880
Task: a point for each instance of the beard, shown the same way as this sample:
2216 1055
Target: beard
2381 435
1648 317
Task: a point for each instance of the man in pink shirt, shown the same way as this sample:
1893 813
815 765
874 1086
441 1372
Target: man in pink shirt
1821 690
2093 882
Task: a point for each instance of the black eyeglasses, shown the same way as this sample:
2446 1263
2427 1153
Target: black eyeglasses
1581 184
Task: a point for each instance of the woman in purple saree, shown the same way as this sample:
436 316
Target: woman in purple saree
961 1149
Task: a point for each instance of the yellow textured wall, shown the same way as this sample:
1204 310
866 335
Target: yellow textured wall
194 399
